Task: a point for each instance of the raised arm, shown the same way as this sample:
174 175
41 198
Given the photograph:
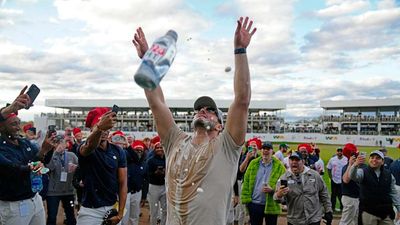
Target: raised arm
106 122
236 123
155 98
346 176
20 102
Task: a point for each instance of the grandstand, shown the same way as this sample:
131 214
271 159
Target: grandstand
362 122
136 116
361 117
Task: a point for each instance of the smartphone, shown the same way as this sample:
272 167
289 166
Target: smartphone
284 183
32 92
364 154
58 138
51 129
115 109
249 149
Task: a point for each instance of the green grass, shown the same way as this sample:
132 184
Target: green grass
327 151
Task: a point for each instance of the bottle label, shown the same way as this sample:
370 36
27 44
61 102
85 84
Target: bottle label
155 52
36 182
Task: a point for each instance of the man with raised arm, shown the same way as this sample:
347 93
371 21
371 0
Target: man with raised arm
19 158
103 169
201 167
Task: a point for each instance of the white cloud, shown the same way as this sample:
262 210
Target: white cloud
98 60
8 16
342 8
342 39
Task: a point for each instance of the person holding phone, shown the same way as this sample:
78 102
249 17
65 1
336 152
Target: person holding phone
252 145
62 168
20 102
103 170
350 189
258 187
305 194
378 194
19 205
157 191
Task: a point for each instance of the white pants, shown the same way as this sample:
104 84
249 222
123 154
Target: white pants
157 201
397 222
350 211
90 216
26 212
132 209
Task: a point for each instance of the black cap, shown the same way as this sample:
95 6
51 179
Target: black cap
206 101
296 155
267 145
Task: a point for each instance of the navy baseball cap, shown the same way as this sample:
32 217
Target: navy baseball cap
296 155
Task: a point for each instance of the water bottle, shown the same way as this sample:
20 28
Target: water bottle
36 181
156 61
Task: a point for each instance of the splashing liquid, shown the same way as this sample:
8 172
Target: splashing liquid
188 164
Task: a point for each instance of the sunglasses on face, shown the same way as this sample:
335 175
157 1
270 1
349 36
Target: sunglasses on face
208 109
117 138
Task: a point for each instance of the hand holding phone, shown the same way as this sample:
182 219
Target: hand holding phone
284 183
32 92
51 130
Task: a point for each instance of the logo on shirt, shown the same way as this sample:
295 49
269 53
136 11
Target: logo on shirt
114 157
28 149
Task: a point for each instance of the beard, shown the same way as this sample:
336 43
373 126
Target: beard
203 123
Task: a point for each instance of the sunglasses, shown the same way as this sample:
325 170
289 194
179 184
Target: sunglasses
208 109
117 138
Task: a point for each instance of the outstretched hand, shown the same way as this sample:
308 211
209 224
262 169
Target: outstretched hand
20 102
243 33
140 42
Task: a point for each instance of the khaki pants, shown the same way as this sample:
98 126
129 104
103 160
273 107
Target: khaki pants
350 210
369 219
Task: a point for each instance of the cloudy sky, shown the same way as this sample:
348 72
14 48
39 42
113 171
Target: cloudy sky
303 51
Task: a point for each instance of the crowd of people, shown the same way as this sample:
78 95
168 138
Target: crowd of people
210 176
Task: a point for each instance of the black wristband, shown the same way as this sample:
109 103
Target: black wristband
240 51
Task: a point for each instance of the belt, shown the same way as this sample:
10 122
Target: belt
133 192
